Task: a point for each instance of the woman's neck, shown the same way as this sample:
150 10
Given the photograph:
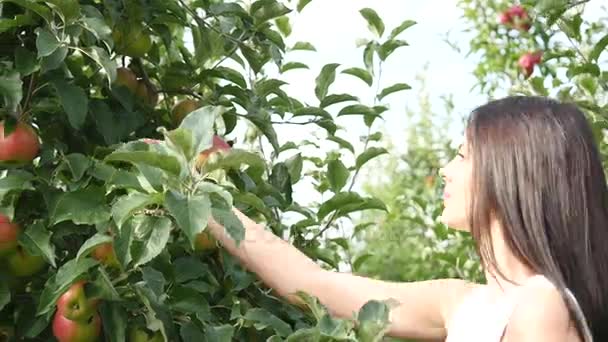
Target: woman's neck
514 271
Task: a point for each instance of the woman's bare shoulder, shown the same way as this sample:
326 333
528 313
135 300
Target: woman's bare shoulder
541 314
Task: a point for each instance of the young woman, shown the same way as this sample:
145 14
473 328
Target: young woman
528 184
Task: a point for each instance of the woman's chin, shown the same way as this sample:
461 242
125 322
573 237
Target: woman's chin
453 221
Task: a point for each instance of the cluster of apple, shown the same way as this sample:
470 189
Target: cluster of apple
77 319
143 89
517 17
19 262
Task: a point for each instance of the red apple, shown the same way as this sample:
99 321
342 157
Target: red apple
21 145
76 318
528 60
9 232
218 145
205 242
106 255
515 16
67 330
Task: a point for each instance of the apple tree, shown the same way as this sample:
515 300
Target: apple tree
548 48
121 135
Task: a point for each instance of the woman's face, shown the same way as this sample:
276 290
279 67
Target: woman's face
456 196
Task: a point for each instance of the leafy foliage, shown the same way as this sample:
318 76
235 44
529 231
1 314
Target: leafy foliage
100 82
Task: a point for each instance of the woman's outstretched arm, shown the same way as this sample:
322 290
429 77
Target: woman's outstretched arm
423 310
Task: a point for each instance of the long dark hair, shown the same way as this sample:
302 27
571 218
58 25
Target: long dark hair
538 172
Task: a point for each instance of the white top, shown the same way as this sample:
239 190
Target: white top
483 317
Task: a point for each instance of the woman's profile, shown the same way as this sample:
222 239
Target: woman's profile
528 184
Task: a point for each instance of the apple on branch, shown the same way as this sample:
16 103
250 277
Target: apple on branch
528 60
76 318
9 233
218 145
20 146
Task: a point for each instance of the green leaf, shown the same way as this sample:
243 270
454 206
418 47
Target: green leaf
283 25
337 98
392 89
155 280
123 240
265 87
15 180
305 335
55 60
46 42
343 143
314 111
180 141
587 68
200 124
362 74
189 301
57 284
326 77
153 159
264 10
225 9
114 318
160 312
336 328
389 47
347 202
25 61
11 90
36 239
98 27
101 57
376 25
304 46
263 319
5 292
368 56
190 332
68 9
295 165
280 179
77 164
262 122
190 212
222 333
92 242
360 260
373 320
126 205
230 75
293 65
222 213
102 287
236 158
357 109
302 4
74 101
155 242
211 188
83 206
599 48
402 27
33 6
369 154
337 174
189 268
